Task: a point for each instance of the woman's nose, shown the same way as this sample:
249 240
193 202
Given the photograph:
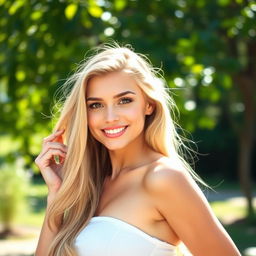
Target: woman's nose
111 115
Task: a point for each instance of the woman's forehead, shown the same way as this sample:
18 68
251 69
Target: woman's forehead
112 84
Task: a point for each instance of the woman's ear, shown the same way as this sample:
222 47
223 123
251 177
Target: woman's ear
149 109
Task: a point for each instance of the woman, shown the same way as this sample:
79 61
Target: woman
122 186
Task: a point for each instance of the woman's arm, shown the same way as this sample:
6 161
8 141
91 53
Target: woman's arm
184 206
47 235
51 172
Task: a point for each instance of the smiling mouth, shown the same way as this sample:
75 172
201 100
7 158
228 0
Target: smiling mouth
114 132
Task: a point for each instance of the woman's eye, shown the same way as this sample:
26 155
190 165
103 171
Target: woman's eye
97 105
94 105
125 100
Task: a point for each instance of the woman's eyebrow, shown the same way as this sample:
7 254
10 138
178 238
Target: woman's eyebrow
116 96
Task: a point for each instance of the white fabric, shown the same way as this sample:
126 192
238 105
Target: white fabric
109 236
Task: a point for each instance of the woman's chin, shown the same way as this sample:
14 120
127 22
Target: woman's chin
114 148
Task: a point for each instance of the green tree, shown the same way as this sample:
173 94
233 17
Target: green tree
205 48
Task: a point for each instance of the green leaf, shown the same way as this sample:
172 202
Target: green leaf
197 68
70 11
214 96
32 29
200 3
189 60
95 11
36 15
20 75
223 2
86 23
227 81
15 6
2 37
205 122
184 42
22 105
120 4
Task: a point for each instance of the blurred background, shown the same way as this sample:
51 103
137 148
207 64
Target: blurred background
207 51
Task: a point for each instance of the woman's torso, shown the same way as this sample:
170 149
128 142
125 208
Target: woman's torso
126 199
109 236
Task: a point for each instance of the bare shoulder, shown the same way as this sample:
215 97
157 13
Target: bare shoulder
169 182
175 194
167 175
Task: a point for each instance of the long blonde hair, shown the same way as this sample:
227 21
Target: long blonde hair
87 162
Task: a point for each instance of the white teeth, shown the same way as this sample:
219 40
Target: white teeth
114 130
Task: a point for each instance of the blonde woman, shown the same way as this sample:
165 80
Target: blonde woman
122 186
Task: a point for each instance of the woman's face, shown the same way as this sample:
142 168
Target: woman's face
116 109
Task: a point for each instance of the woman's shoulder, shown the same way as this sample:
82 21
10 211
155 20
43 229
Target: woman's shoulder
166 174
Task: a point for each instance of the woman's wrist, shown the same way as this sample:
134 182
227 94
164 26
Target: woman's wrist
51 197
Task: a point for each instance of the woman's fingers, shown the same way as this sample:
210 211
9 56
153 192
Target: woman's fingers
59 138
44 160
54 141
54 145
53 136
49 155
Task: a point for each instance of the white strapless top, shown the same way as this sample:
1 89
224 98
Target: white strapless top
109 236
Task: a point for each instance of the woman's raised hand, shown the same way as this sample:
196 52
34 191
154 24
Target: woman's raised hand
51 170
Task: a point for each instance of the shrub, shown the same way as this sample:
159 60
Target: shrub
13 187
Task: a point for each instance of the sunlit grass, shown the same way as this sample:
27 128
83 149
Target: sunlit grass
228 211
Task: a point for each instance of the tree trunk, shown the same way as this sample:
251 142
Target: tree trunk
244 170
246 140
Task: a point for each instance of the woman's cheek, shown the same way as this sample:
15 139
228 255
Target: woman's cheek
134 113
93 120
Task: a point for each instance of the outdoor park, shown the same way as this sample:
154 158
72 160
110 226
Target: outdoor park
206 50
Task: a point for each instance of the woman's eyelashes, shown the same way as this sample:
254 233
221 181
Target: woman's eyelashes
122 101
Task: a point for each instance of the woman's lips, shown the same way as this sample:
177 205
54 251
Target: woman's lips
116 132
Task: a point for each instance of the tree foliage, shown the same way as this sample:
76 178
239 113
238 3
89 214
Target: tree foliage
206 49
